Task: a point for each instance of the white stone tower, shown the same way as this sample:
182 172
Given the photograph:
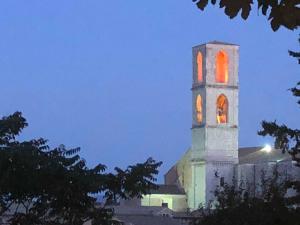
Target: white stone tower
214 151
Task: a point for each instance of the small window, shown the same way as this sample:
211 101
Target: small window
164 204
222 67
222 109
199 67
199 109
222 182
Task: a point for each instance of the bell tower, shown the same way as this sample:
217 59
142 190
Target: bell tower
214 151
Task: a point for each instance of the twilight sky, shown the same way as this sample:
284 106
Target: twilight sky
114 77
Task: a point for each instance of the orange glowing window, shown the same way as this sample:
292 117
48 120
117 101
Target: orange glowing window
222 109
199 109
199 67
221 67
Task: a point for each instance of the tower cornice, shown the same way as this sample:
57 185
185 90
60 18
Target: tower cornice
215 126
197 86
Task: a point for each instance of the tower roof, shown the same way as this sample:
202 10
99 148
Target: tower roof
220 43
253 155
215 42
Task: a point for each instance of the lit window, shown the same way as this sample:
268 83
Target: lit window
221 67
222 109
199 109
199 67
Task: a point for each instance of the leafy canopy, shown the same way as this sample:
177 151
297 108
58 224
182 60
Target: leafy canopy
239 206
286 139
279 12
43 186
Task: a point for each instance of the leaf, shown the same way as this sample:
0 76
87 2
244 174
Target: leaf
246 12
264 9
279 13
202 4
275 24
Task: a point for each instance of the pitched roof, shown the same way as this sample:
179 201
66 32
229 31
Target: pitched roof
145 215
148 220
139 210
253 155
168 189
219 43
216 43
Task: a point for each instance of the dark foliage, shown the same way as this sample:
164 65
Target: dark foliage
253 211
54 187
237 206
296 55
279 12
286 139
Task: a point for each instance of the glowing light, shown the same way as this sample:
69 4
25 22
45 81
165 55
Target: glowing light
199 109
222 109
267 148
199 66
222 67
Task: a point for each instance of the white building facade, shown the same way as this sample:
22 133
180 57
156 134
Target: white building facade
214 157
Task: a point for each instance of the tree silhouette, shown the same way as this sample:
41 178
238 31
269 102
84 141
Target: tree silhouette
43 186
237 206
279 12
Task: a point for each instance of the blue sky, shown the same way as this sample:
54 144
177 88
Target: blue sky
114 77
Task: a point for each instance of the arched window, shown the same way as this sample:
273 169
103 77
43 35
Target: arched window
199 109
221 67
199 67
222 109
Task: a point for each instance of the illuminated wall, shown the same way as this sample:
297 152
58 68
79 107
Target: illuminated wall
215 138
176 203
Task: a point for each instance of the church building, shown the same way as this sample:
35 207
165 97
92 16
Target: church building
214 157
